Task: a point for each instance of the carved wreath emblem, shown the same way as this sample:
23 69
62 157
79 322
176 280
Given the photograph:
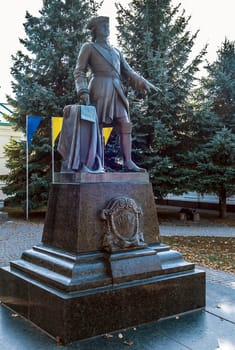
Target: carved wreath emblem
122 224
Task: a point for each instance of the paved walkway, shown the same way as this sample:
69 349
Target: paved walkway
193 230
17 236
210 329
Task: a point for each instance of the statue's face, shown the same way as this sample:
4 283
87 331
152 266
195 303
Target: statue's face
102 30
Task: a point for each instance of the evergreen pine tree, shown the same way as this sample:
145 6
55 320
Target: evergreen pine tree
219 85
213 161
157 43
43 85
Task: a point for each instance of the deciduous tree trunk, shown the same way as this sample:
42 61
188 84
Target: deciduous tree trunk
222 204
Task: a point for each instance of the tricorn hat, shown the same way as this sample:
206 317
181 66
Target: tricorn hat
95 21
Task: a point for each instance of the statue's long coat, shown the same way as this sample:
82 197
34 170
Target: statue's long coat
108 68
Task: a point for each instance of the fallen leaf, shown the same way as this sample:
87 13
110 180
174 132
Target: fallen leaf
59 340
128 343
107 336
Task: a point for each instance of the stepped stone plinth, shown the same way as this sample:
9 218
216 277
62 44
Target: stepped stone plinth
101 265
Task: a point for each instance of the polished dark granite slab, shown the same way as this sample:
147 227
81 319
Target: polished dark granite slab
73 221
84 314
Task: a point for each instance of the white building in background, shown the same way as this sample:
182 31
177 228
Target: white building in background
6 133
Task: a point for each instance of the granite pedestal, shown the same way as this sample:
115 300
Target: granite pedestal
100 265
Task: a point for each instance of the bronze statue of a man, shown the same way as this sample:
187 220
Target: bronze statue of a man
105 89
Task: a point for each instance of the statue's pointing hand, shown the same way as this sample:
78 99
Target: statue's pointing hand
145 87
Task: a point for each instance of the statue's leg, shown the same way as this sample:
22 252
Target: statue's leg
124 130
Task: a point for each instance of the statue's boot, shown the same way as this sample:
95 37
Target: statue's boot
130 166
125 144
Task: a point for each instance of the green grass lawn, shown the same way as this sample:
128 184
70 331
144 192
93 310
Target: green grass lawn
215 252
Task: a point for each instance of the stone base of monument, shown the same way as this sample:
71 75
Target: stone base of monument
101 265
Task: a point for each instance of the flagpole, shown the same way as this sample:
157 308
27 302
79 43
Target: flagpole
27 171
32 122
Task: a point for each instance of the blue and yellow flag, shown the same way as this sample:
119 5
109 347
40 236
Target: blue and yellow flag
106 133
32 124
56 127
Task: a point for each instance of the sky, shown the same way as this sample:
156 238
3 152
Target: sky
214 19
